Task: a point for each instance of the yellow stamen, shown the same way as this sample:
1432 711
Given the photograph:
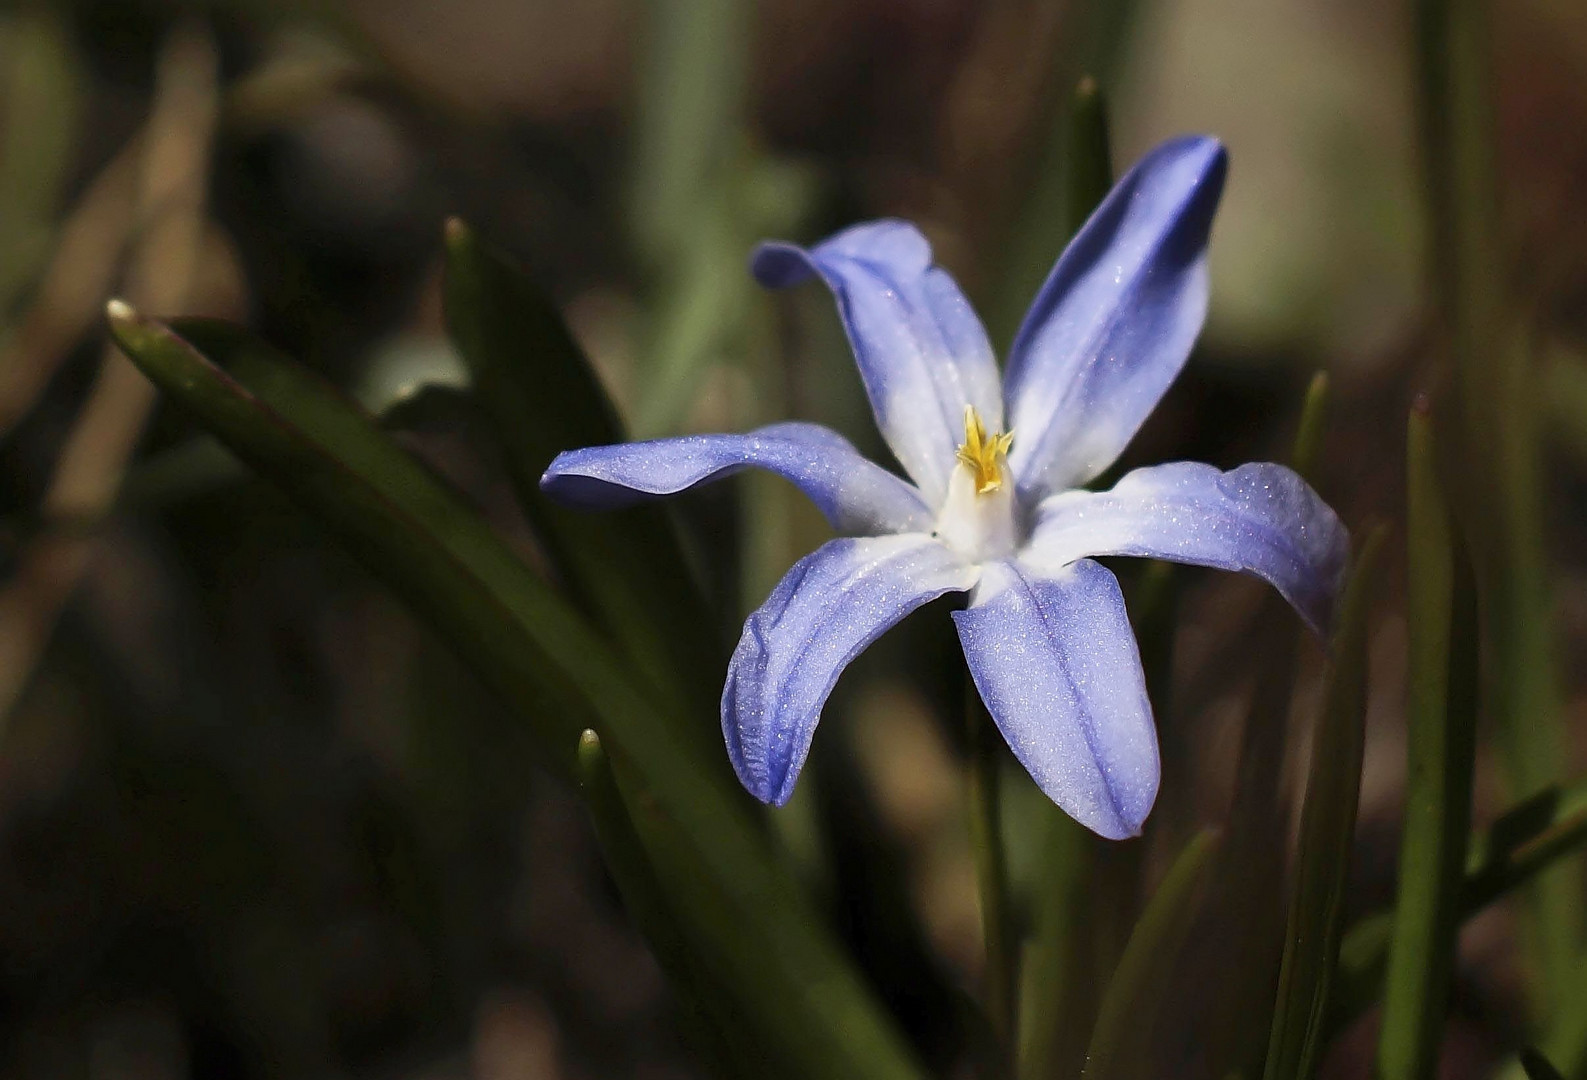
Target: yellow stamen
984 454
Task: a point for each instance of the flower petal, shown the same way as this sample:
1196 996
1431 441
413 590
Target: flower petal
1114 323
1055 661
829 607
922 352
1261 518
856 495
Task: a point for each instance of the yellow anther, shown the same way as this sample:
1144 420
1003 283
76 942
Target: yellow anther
984 453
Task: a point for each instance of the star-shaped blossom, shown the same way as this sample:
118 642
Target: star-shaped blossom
997 505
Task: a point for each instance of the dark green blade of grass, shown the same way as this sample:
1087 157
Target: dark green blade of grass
42 89
1327 831
984 797
626 567
1054 969
1566 1040
1496 441
1120 1042
1527 840
1441 746
713 1029
688 120
544 659
1076 175
1306 452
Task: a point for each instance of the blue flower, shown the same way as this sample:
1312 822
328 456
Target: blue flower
999 511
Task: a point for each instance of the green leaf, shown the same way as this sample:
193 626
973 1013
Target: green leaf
1076 173
544 659
690 116
1054 999
1363 960
1313 424
694 316
1327 830
1562 401
1566 1041
626 858
1134 995
1496 442
702 194
1442 720
391 510
1528 839
991 863
626 568
716 1031
1089 162
41 102
1553 825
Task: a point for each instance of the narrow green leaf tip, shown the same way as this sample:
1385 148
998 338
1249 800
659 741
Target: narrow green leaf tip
1313 420
591 756
119 312
1089 159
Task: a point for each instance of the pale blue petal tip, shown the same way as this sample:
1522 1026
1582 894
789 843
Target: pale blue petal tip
922 353
823 613
1054 659
1115 321
855 494
778 265
1260 518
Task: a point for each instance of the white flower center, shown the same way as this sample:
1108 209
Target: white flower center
978 516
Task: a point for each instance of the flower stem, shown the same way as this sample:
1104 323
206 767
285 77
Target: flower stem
991 863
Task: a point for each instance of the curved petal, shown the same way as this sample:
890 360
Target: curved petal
856 495
922 352
1261 518
829 607
1055 661
1114 322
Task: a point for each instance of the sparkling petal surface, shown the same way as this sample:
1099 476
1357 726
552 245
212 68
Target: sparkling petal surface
1114 323
1260 518
825 611
1055 661
922 353
856 495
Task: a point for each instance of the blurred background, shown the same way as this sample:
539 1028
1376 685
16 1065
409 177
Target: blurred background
256 821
